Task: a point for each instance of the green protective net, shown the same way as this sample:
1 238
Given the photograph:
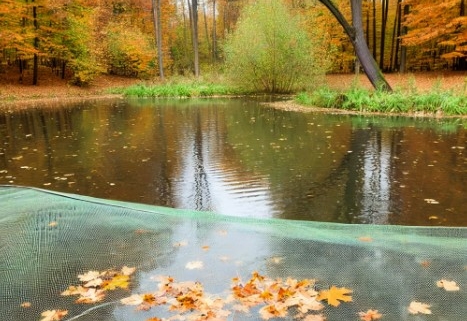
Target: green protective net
47 239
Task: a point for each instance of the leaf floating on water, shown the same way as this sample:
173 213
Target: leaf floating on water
365 239
370 315
314 317
26 304
448 285
334 295
181 244
53 224
194 265
135 299
53 315
128 270
118 281
91 295
416 307
89 276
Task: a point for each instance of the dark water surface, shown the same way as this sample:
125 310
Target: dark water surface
239 158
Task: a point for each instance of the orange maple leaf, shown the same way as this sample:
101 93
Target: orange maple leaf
334 295
370 315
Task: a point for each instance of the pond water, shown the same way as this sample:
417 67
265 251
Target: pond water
238 157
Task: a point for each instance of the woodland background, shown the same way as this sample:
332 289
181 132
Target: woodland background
78 40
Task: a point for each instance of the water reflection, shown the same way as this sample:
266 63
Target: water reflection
239 158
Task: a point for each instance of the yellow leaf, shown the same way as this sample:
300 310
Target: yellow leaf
418 307
447 285
334 295
118 281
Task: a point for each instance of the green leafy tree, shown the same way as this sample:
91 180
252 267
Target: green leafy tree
270 52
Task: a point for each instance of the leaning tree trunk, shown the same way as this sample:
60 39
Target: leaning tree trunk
369 64
355 33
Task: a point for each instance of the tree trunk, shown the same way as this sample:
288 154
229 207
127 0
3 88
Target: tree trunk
374 28
404 48
462 8
206 31
194 34
214 36
357 38
384 19
156 11
35 66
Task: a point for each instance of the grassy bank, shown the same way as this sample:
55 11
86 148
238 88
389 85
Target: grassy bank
407 100
178 90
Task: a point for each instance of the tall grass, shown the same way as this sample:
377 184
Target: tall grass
437 100
180 90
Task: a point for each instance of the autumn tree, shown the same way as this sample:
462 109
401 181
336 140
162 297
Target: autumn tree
269 51
438 29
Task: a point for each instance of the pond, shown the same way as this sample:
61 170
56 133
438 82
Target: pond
239 157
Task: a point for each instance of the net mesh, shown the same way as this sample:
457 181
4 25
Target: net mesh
47 239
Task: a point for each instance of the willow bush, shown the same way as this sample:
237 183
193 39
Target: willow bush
271 52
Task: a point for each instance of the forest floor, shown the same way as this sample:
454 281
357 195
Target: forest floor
15 94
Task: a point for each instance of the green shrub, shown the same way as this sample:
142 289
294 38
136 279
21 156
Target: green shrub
270 52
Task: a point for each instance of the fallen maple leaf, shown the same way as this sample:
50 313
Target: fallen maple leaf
89 276
118 281
53 315
448 285
135 299
128 270
419 307
277 310
334 295
370 315
194 265
91 295
74 290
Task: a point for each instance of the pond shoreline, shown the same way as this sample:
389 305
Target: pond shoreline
287 105
14 96
291 105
